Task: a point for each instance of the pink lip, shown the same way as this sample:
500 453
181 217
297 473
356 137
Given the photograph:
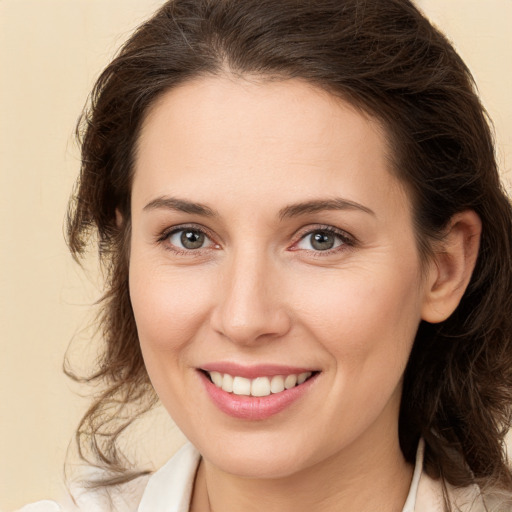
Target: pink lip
253 371
254 408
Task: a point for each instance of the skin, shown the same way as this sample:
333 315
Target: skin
259 292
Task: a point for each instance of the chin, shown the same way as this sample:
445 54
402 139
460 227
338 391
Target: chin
257 465
258 456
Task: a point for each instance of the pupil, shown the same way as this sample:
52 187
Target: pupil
322 241
192 239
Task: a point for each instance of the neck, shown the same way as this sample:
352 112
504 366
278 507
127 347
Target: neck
352 480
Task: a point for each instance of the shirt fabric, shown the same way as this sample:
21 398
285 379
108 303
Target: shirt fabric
170 490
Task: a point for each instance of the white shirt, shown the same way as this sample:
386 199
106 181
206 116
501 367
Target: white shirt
170 490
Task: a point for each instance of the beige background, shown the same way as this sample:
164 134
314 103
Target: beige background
50 53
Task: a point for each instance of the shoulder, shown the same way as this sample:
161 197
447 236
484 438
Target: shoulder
42 506
497 501
171 484
434 494
124 498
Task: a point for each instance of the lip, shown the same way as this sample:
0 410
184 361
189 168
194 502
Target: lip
255 408
254 371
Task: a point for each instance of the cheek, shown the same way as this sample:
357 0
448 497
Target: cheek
367 325
168 305
169 310
365 316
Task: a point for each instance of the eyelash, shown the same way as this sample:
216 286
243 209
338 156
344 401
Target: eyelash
347 241
164 237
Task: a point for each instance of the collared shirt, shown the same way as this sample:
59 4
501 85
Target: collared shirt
170 490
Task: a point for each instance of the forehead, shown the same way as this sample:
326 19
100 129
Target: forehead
221 135
285 112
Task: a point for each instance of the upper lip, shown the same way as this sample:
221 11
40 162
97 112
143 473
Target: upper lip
254 371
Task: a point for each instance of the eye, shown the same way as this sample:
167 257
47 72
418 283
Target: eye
189 239
321 240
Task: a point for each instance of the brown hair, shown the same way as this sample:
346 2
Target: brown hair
386 58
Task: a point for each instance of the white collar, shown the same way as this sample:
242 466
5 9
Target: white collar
170 488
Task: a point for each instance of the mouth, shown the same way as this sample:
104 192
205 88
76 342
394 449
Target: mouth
256 392
260 386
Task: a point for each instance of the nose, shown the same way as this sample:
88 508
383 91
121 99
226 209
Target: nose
249 307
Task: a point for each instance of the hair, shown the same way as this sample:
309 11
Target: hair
384 57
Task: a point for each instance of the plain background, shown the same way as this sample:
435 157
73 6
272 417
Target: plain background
50 53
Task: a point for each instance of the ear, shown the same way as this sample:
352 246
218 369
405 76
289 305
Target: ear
452 266
119 218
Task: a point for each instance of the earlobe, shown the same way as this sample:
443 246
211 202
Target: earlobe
452 266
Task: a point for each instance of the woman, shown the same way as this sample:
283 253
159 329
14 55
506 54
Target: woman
306 242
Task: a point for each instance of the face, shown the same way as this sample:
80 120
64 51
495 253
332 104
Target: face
274 274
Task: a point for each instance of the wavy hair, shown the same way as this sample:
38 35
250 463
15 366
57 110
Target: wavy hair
386 58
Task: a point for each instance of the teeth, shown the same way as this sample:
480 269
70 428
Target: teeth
277 384
216 378
290 381
227 383
302 377
261 386
241 386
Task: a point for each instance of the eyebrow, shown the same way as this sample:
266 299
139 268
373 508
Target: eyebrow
295 210
180 205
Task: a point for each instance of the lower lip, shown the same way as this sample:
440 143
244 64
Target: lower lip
251 407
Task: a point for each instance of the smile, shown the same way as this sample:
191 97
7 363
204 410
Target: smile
258 387
258 392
